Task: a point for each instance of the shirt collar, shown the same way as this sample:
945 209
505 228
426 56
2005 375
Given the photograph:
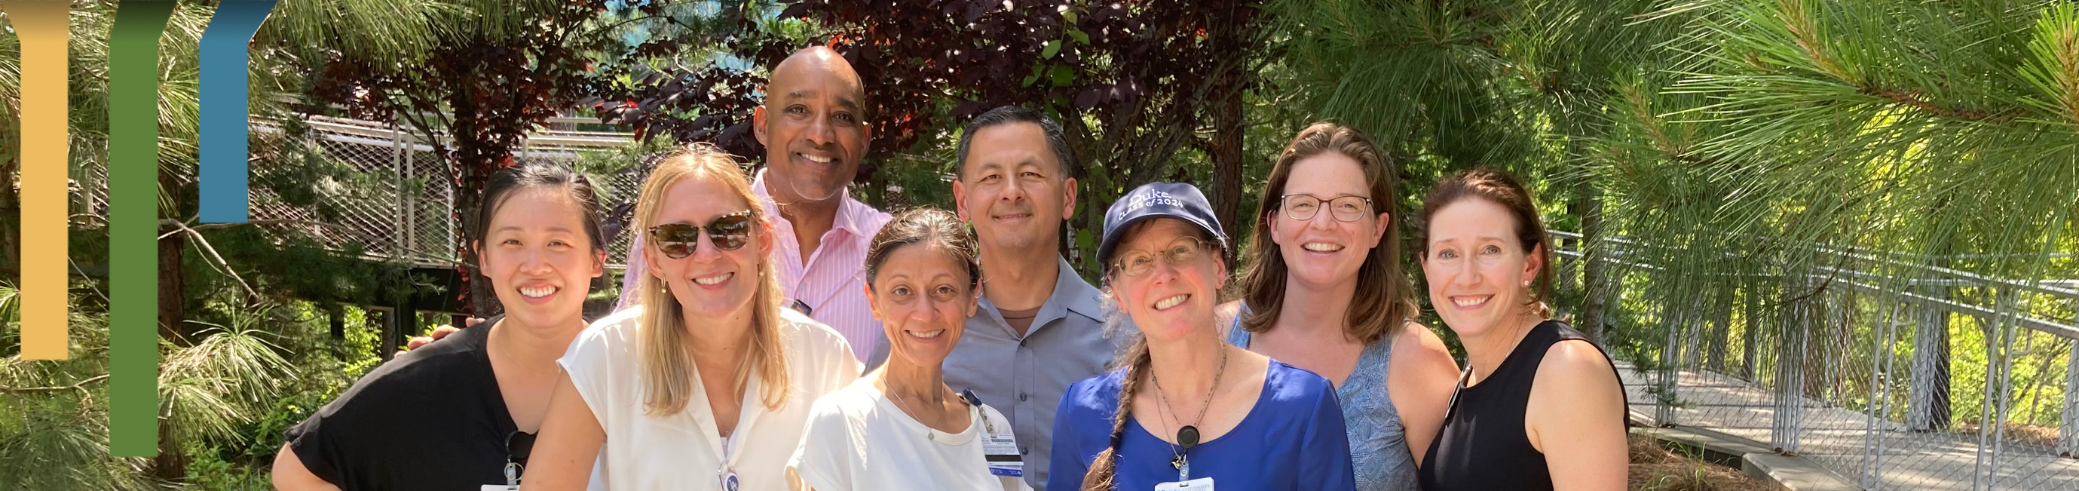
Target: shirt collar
1071 294
849 210
1077 295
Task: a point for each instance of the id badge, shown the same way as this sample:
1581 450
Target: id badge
501 487
1002 454
1200 484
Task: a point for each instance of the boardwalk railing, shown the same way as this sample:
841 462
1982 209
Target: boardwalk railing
1890 372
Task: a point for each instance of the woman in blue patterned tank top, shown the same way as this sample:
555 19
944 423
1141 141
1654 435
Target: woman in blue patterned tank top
1324 291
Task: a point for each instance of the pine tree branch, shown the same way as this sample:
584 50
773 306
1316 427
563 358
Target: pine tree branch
211 257
1915 98
81 386
213 226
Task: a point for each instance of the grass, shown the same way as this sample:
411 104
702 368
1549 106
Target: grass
1656 469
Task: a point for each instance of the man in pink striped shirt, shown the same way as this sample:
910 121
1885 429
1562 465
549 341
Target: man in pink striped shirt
813 125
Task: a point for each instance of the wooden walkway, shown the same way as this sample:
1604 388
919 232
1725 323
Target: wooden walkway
1842 440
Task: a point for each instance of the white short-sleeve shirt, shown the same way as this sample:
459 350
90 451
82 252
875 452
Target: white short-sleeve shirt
686 450
859 440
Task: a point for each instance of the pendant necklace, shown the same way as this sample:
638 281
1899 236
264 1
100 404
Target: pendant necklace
1187 436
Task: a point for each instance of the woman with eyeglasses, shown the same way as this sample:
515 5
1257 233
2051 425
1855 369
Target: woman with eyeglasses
1539 407
1187 410
1324 291
901 426
462 413
707 383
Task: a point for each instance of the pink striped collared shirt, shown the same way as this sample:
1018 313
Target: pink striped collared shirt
831 282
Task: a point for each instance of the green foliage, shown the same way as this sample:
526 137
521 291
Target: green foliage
229 397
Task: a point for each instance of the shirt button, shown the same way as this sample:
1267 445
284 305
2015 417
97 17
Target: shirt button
1022 450
1021 396
1021 343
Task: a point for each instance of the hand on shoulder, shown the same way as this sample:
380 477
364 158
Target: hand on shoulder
438 333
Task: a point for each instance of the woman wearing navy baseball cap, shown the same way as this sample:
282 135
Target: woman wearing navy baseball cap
1186 410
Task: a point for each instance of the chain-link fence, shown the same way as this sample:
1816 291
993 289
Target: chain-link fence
1930 379
381 188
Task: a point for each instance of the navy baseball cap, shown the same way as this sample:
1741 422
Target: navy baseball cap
1157 200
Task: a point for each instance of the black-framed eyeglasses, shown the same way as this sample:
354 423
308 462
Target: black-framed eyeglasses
1178 252
1343 208
678 240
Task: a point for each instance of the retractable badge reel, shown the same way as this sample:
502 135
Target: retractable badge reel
517 446
1188 437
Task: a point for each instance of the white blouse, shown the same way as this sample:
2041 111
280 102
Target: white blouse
686 450
858 440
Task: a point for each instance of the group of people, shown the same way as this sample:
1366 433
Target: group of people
776 334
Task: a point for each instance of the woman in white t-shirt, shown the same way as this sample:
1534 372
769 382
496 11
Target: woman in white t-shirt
901 427
707 384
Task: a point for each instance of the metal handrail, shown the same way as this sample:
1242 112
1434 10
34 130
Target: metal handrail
1850 278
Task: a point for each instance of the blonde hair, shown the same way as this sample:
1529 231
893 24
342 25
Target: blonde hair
1136 359
666 362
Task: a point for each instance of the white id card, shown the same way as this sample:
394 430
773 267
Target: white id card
1200 484
1002 453
501 487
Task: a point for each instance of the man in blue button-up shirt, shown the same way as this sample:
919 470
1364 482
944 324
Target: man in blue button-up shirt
1039 327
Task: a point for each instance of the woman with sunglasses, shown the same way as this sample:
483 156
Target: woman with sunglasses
1539 407
901 426
461 414
708 381
1324 291
1188 410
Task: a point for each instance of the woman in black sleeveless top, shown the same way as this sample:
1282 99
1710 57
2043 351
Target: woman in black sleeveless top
1538 406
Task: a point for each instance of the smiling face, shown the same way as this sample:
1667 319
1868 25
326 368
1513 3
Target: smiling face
1012 187
1172 299
538 258
923 296
1476 267
813 125
710 283
1324 251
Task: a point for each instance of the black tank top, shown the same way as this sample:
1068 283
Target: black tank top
1483 444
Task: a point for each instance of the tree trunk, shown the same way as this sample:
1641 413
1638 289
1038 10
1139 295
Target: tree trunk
10 230
1929 403
1592 283
170 465
1752 337
1813 312
1227 158
173 291
335 314
1721 329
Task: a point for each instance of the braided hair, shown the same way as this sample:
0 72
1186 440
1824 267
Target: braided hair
1136 361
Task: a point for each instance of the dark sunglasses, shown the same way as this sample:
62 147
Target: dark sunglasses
677 240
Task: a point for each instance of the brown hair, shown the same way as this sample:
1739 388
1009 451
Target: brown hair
1503 189
929 226
1134 360
1382 303
662 344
